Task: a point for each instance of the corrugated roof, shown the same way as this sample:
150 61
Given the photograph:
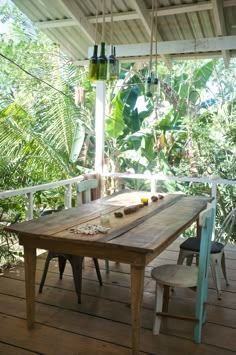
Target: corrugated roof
209 25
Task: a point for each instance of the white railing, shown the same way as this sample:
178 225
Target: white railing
213 181
28 192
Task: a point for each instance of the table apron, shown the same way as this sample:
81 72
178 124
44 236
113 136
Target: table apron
111 252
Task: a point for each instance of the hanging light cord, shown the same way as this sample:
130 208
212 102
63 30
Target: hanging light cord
150 61
111 21
156 39
33 76
103 21
96 27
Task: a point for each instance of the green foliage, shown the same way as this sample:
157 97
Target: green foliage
40 125
44 136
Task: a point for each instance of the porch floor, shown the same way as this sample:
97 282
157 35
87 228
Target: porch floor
101 324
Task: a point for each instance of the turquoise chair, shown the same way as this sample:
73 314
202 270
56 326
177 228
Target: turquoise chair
191 246
174 275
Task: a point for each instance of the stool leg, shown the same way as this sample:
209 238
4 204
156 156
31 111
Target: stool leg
158 308
216 273
98 271
224 268
166 296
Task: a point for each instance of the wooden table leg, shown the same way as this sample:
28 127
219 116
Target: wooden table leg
30 268
137 282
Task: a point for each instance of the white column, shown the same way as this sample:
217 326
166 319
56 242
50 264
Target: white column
100 125
67 196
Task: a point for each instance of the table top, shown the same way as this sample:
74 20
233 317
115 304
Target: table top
148 229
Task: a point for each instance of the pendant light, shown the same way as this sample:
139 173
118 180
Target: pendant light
148 84
156 81
102 59
112 60
93 62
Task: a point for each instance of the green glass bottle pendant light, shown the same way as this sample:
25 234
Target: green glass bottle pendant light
102 64
112 62
93 62
156 80
102 59
117 68
149 81
111 69
148 85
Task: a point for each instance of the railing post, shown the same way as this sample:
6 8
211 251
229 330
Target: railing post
153 185
67 196
29 206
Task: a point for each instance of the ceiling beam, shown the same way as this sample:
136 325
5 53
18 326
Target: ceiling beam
203 45
144 15
76 13
218 15
186 56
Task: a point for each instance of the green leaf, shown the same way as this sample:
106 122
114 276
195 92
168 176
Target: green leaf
202 75
77 142
115 124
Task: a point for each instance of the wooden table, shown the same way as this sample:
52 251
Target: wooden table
135 239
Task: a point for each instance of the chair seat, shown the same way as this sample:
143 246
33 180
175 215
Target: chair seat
193 244
176 275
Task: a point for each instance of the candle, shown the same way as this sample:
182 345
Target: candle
144 200
105 218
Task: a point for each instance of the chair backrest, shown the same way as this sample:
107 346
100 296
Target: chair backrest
206 219
227 228
84 190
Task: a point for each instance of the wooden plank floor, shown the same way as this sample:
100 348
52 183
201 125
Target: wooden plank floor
101 324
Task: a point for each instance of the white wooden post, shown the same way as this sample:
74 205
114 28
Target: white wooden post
67 196
153 185
100 125
29 205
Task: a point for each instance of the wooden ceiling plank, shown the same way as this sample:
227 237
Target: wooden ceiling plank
75 12
218 13
127 15
133 15
144 15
